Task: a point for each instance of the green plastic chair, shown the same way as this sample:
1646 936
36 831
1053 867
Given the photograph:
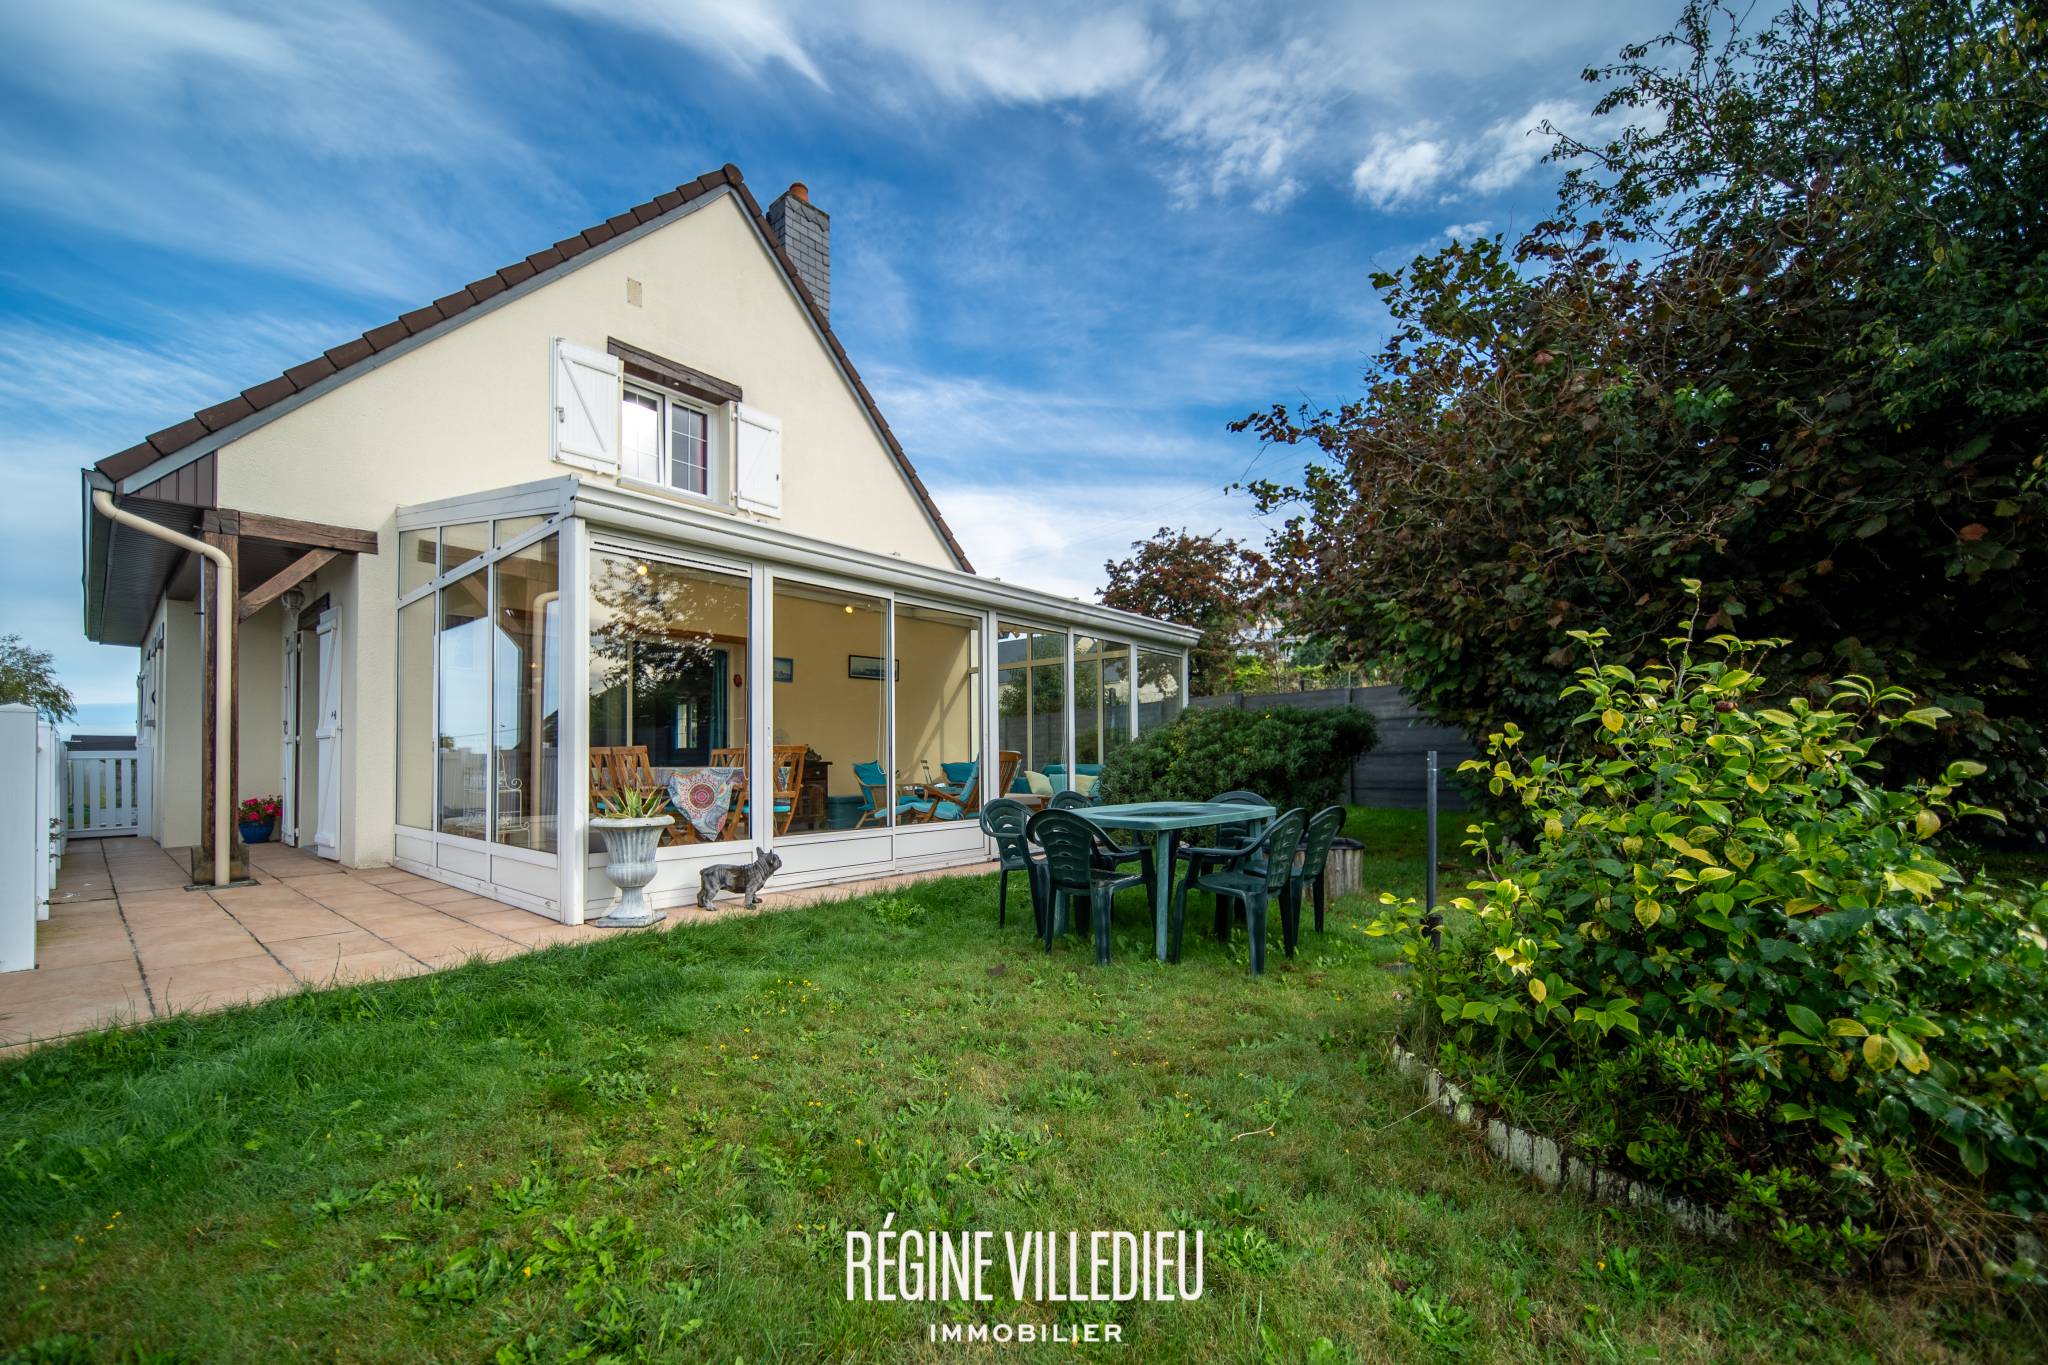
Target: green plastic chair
1070 845
1258 874
1069 800
1004 821
1231 839
1315 855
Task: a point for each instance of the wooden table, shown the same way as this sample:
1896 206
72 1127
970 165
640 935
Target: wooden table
1164 820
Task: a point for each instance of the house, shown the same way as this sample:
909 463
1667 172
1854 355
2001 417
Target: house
624 507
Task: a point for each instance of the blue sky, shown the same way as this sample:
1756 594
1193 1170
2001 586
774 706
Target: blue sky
1070 241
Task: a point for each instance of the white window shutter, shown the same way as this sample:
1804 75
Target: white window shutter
760 460
584 394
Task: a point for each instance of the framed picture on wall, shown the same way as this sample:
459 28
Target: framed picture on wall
868 668
785 670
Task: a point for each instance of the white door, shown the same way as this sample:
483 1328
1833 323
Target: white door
288 768
327 743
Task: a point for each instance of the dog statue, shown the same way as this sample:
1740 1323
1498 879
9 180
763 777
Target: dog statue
746 877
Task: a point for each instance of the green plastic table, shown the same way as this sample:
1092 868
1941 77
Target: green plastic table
1163 820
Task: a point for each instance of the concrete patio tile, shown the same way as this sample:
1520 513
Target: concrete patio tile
392 876
286 926
110 981
316 955
436 943
352 896
543 933
457 954
410 919
74 942
299 870
72 1014
194 950
388 965
500 918
437 894
261 906
479 911
216 985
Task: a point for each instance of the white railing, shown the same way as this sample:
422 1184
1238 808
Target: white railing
108 795
31 829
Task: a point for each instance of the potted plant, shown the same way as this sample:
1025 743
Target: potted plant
258 818
631 822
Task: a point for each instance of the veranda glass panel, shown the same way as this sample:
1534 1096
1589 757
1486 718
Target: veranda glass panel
669 686
463 742
1032 689
1159 692
938 715
526 697
416 550
508 529
1102 699
831 710
416 711
460 544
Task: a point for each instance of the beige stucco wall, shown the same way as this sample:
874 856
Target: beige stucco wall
470 412
261 740
174 765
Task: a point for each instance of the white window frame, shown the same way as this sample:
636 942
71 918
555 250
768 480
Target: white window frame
714 445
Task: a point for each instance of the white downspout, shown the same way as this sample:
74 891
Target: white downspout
224 665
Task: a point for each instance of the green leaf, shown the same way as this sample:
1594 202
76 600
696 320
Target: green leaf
1918 1028
1793 1113
1805 1020
1716 921
1928 716
1846 1028
1791 1039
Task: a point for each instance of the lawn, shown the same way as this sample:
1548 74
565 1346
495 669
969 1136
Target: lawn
652 1147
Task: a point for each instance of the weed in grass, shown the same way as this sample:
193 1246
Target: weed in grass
897 911
1442 1324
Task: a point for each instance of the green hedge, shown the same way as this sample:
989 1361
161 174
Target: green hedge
1732 965
1289 755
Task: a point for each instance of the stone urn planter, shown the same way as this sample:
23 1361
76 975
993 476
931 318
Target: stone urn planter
629 861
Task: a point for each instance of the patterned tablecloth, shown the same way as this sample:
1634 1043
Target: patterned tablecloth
703 795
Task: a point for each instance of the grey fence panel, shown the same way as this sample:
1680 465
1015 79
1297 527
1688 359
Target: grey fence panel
1395 774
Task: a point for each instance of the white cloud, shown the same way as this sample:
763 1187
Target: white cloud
1400 167
1512 148
1468 232
1419 164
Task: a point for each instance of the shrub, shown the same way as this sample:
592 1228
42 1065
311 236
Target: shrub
1732 965
1290 756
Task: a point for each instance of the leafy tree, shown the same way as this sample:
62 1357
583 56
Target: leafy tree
1212 583
29 677
1793 343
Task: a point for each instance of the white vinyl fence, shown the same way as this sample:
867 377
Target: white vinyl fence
32 781
108 794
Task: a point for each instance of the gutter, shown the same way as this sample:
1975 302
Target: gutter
224 664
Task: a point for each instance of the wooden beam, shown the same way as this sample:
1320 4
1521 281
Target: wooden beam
285 531
293 574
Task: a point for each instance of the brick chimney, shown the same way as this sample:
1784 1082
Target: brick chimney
806 233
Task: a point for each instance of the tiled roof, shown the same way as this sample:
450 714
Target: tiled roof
354 353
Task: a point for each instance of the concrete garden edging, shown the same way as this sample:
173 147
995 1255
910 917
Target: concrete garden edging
1544 1159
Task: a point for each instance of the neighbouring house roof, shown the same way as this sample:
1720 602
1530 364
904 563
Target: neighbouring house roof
359 356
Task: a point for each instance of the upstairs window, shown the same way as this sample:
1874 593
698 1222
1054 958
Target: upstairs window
665 440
